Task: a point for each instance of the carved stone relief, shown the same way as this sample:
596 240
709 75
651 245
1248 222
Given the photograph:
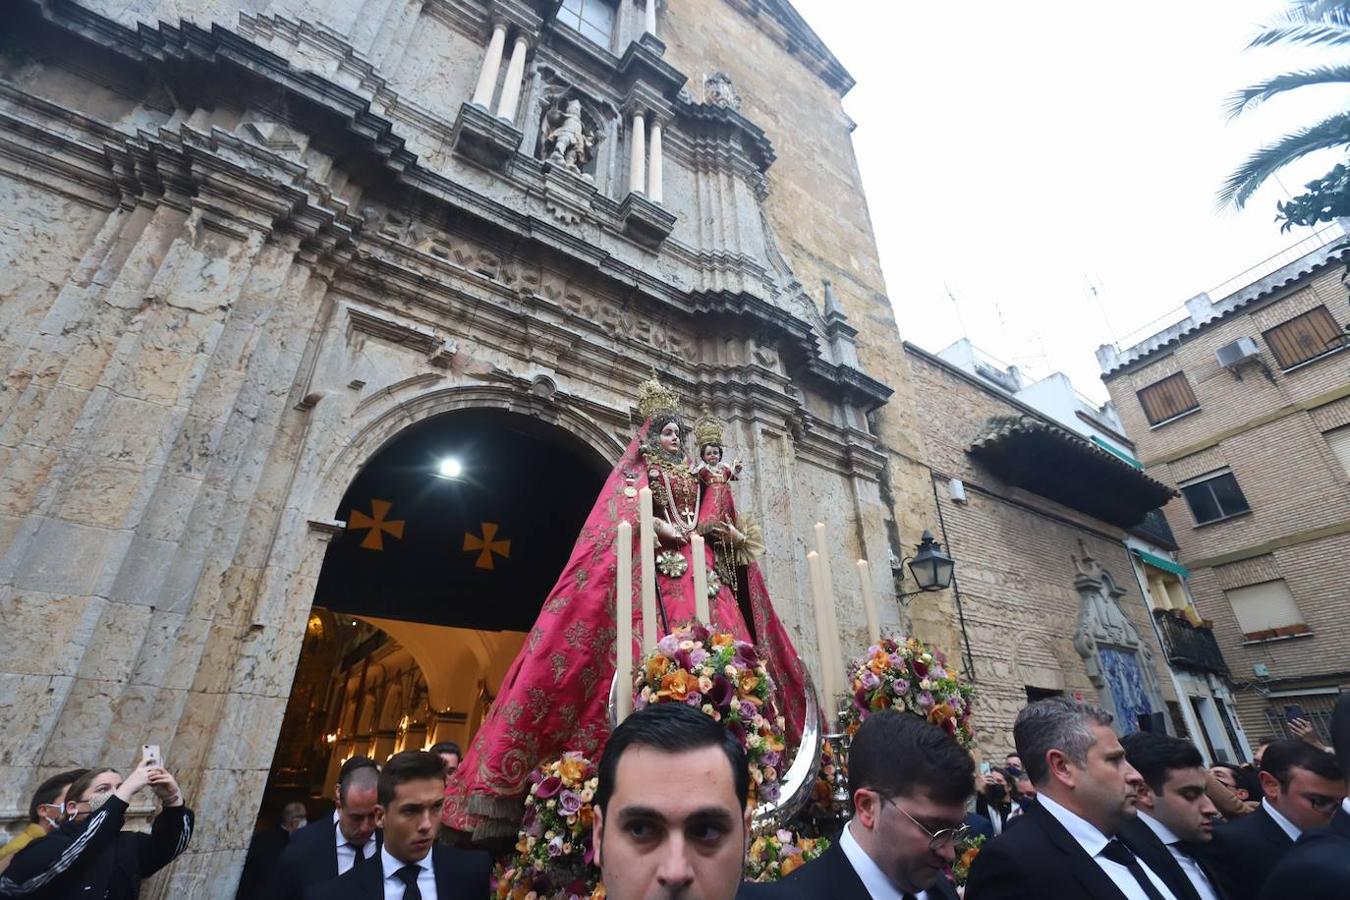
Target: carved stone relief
717 91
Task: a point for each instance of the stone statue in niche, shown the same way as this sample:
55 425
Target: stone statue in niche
717 91
567 141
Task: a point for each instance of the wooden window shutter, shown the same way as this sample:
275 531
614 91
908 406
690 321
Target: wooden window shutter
1304 337
1167 398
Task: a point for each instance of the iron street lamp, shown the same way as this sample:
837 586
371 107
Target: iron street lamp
931 568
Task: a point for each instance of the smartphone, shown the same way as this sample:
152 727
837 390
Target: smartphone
1293 712
150 753
985 768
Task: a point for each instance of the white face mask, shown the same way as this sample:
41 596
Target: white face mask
300 823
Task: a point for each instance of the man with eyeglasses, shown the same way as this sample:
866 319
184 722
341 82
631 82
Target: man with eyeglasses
910 783
1066 844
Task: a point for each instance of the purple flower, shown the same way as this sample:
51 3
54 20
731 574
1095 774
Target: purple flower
737 731
698 633
721 693
569 802
771 758
668 645
784 836
900 687
548 788
744 656
925 699
870 681
860 700
768 791
683 659
697 657
555 846
694 699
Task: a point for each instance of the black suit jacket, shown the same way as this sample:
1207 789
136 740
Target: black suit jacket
263 853
459 874
1244 851
1037 859
1147 846
829 878
1318 868
310 858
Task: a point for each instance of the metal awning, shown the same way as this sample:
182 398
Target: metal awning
1052 461
1159 562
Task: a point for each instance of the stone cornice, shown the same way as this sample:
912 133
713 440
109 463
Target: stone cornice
780 21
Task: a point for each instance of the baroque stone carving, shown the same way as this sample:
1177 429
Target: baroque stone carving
717 91
1115 655
567 142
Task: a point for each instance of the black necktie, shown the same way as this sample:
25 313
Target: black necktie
1119 853
408 875
359 850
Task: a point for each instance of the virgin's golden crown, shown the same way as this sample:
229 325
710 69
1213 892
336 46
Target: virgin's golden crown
654 397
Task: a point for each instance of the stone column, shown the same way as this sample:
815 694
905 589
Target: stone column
515 72
487 75
638 151
654 162
649 18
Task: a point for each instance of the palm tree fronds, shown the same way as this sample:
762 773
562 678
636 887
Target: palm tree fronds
1288 81
1312 34
1333 131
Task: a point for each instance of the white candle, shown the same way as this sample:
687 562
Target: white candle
623 611
647 547
700 580
869 603
823 644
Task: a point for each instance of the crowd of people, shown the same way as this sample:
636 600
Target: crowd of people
1074 812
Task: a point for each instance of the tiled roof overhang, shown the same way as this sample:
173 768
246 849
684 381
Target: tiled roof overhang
1048 460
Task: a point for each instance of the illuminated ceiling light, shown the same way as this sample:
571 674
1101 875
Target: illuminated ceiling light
449 468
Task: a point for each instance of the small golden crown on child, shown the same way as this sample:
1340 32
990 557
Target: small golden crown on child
708 429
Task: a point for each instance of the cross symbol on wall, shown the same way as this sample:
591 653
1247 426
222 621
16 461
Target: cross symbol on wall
487 546
377 524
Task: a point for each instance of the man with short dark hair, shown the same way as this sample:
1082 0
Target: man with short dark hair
1302 786
323 850
1318 868
45 811
450 754
670 807
1176 815
1066 845
910 782
265 849
410 864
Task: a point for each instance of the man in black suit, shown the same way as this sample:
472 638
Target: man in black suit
1176 815
910 782
265 849
1318 868
1066 844
410 864
323 850
1302 786
671 817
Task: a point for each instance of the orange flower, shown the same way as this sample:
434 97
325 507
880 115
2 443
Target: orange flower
749 681
791 864
677 685
881 701
940 713
656 667
722 640
585 816
879 662
969 856
571 770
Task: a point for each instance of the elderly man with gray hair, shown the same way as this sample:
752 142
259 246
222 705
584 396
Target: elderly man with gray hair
1066 846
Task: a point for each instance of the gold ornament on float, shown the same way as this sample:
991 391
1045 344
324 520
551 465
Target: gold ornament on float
654 397
708 429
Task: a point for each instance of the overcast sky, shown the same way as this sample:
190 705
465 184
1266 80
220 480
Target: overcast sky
1021 154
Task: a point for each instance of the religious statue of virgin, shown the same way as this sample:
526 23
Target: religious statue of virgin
555 694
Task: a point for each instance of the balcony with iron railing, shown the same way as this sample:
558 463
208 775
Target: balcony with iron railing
1190 646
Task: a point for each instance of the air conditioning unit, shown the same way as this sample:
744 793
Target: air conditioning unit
1238 352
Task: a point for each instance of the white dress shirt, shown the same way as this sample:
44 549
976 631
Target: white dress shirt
1286 826
1194 873
1093 842
394 886
347 855
878 886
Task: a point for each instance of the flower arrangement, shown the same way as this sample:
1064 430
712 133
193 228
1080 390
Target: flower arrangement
724 678
906 674
779 854
965 857
553 858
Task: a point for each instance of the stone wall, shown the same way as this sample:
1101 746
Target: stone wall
1014 554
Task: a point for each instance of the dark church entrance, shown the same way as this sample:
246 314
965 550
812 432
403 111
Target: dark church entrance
455 533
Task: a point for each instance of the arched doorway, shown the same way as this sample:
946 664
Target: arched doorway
456 529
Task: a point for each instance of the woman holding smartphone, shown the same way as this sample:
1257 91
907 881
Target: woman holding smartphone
90 855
